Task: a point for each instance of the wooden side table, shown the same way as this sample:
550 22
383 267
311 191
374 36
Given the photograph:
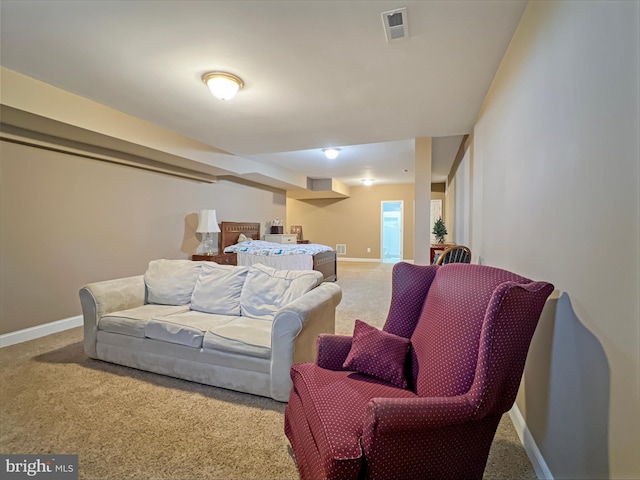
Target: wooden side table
221 258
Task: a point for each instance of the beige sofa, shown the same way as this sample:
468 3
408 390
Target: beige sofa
239 328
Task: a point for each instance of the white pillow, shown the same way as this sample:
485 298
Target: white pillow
171 282
218 289
266 290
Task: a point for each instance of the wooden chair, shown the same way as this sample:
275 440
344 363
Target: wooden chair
454 254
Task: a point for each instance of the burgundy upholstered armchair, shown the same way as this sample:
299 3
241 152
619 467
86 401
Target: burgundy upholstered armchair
465 330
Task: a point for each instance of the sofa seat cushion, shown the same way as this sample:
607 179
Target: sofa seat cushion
336 421
184 328
243 335
132 321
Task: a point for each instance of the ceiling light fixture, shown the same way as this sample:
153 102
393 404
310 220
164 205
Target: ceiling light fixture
331 153
223 85
368 182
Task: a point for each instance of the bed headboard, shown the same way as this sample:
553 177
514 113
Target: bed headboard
230 231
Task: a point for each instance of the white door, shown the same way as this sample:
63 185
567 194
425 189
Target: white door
391 237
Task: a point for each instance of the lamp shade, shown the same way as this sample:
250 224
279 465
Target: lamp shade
208 222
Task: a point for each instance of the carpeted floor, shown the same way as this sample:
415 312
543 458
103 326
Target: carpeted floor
128 424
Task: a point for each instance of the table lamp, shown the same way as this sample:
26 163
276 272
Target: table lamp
207 226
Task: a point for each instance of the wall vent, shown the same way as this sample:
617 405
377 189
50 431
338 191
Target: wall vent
341 248
396 24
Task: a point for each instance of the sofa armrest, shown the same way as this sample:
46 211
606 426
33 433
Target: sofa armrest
100 298
295 329
333 351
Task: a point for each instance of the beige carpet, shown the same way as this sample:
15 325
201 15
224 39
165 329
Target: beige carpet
125 424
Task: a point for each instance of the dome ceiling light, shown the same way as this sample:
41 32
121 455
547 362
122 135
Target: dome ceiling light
331 153
222 85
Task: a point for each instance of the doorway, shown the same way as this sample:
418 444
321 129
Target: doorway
392 221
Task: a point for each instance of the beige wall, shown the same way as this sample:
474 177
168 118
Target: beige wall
355 221
556 197
66 221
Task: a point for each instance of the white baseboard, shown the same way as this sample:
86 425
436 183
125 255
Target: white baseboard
38 331
367 260
529 444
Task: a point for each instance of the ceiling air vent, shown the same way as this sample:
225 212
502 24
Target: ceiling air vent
396 24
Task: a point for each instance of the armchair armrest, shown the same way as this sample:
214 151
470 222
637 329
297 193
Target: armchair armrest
386 415
295 329
393 427
332 351
100 298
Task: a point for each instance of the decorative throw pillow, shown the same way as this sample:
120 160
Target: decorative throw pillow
218 289
266 290
171 282
377 353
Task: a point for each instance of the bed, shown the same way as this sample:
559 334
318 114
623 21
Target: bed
325 262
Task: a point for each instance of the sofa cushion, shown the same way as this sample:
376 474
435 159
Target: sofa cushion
218 289
243 335
378 354
171 282
132 321
185 328
266 290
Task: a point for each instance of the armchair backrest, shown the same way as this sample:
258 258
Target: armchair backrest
409 286
475 325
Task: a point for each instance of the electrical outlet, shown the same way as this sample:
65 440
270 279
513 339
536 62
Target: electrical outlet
368 250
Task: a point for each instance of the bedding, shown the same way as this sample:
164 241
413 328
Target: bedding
279 262
276 255
260 247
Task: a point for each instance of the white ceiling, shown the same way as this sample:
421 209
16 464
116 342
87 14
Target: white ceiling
316 73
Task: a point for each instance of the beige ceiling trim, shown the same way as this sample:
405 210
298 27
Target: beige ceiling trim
318 188
20 136
26 94
459 156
